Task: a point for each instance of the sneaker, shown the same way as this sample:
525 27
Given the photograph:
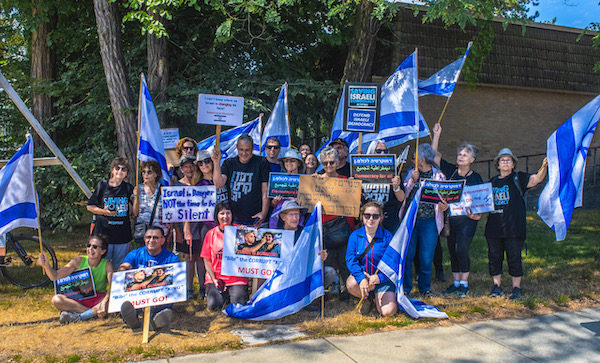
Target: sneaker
366 306
439 275
129 315
162 319
496 291
450 290
67 317
462 291
515 294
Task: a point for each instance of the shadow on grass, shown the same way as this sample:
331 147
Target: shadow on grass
26 323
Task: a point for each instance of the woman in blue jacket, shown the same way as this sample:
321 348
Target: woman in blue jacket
366 246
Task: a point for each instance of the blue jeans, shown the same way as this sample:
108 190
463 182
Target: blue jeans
116 253
425 235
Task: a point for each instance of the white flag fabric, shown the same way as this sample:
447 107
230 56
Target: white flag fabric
229 138
151 147
567 150
392 265
443 82
17 192
296 282
278 125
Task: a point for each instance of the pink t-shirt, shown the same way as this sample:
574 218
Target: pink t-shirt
212 249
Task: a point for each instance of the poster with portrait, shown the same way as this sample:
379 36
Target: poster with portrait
251 252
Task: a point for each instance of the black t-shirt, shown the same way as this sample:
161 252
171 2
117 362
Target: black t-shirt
117 228
385 196
451 173
508 218
244 184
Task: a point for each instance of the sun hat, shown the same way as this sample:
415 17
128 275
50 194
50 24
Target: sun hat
290 204
202 155
186 159
505 151
291 154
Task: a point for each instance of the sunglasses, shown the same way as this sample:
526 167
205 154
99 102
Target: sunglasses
326 163
188 148
205 161
381 151
147 171
120 168
374 216
95 247
272 147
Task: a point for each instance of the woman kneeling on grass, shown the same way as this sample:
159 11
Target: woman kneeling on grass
102 270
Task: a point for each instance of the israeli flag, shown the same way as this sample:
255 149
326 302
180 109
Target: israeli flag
278 125
567 150
17 192
392 265
151 146
229 138
443 82
296 282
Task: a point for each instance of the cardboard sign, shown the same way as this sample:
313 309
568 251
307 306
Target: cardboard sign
251 252
78 285
149 286
361 107
436 190
340 197
282 184
220 110
373 168
476 199
188 204
170 137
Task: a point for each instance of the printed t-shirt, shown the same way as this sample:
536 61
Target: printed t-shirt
508 218
98 273
212 250
117 228
140 257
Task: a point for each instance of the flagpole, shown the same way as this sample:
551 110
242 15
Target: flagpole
37 207
359 143
217 136
137 160
417 114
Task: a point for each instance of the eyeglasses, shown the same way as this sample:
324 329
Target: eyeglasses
188 148
205 161
92 246
381 151
120 168
505 161
273 147
374 216
147 171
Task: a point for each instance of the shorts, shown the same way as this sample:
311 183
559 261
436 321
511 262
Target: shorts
387 286
90 302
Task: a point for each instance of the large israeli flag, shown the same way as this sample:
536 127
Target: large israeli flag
567 150
229 138
278 125
17 192
392 265
151 147
296 282
443 82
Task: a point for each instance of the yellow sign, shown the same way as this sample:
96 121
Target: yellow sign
340 197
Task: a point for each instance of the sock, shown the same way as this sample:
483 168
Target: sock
456 283
464 283
87 314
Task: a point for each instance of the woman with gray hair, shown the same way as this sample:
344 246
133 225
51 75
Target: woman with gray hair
462 228
429 222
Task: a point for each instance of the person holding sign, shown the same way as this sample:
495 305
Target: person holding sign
505 227
291 163
219 286
102 270
462 228
429 222
366 246
147 203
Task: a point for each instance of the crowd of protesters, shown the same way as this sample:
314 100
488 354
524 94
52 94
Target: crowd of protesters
352 247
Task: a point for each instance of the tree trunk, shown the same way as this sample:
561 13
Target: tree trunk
108 21
362 50
43 70
158 67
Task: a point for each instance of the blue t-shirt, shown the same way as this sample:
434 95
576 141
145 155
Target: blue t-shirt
140 257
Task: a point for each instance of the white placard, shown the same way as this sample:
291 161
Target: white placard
478 198
220 110
148 286
246 252
188 204
170 137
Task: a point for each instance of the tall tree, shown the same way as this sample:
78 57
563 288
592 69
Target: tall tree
158 64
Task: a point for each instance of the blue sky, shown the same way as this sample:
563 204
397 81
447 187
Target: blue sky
571 13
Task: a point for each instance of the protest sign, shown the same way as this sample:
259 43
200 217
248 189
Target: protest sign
78 285
170 137
148 286
282 184
340 197
476 199
361 107
220 110
251 252
373 168
3 245
436 190
188 204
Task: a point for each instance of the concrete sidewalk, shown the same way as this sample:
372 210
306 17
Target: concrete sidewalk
561 337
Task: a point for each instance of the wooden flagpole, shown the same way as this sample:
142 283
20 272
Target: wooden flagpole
146 331
359 143
217 136
137 160
37 207
417 115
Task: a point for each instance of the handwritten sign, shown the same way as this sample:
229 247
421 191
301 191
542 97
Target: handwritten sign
188 204
251 252
220 110
373 168
476 199
282 184
78 285
361 107
170 137
436 190
149 286
340 197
